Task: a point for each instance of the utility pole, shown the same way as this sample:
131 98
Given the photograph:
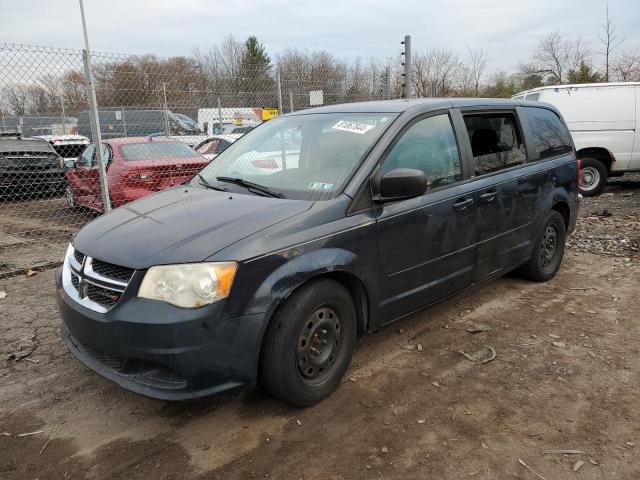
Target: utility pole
93 107
279 85
64 117
406 93
385 83
166 111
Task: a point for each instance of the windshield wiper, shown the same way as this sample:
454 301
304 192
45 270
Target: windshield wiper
203 181
251 186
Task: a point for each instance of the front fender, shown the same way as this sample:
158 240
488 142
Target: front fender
280 283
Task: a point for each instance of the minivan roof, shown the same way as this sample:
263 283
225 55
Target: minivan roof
579 85
401 105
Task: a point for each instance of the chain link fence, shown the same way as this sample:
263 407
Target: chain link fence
161 120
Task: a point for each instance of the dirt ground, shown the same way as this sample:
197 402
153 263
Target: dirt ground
565 377
34 233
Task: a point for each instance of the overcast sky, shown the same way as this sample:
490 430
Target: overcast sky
507 29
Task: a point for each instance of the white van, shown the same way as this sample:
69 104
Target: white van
603 119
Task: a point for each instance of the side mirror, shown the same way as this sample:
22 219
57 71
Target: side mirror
400 184
69 163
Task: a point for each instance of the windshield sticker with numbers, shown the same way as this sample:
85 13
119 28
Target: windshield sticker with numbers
353 127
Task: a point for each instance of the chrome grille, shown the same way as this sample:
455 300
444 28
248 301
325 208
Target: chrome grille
94 284
78 256
112 271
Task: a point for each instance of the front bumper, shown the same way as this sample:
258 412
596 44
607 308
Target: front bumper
162 351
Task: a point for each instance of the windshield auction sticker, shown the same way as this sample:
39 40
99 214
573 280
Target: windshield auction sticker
353 127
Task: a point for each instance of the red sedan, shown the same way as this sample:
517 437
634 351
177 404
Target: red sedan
135 166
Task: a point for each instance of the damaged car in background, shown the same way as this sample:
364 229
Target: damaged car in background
29 168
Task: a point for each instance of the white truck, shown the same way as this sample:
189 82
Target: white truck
603 119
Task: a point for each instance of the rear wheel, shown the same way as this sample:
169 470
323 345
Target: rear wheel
309 343
548 250
593 178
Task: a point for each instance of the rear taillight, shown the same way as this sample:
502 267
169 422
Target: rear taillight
579 171
270 164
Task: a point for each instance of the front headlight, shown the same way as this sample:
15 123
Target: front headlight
191 285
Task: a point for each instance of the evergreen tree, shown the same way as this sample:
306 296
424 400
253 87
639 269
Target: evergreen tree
584 74
257 82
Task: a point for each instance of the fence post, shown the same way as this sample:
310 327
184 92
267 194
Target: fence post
96 130
219 116
387 83
93 108
279 85
124 122
290 101
407 66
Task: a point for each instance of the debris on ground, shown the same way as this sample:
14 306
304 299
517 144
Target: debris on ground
28 434
565 451
478 329
24 347
50 439
3 294
31 273
521 462
484 355
558 344
577 465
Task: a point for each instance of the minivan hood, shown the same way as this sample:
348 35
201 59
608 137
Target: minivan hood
180 225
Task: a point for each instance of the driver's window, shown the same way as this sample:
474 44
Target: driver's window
428 145
85 159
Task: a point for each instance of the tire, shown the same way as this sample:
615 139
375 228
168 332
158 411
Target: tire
594 177
544 263
308 344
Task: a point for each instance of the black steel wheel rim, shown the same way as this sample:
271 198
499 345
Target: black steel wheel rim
318 344
549 247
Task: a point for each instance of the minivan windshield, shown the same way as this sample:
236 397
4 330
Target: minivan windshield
307 156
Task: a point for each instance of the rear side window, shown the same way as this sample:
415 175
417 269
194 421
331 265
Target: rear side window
496 142
428 145
549 137
151 150
533 97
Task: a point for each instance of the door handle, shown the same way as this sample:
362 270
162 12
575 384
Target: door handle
463 204
489 195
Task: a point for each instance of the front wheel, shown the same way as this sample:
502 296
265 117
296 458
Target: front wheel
308 344
548 250
593 178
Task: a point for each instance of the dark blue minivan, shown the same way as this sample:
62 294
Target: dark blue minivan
312 229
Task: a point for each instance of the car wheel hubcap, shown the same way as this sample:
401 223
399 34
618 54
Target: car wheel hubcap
589 179
318 343
549 245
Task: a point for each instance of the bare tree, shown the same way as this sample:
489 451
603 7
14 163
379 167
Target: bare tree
627 68
555 56
610 41
437 68
477 62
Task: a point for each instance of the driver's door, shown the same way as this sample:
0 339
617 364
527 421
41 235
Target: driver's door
426 244
79 176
